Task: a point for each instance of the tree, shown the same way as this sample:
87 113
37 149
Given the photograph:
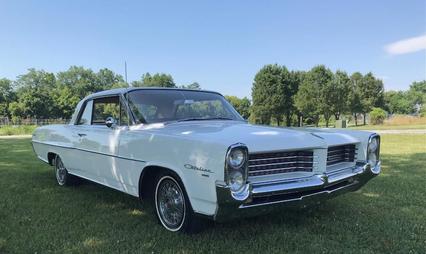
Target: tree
372 94
323 82
156 80
398 102
417 94
241 105
272 92
193 86
297 77
65 101
80 80
307 100
313 97
16 110
7 95
107 79
354 98
340 86
291 82
76 83
34 94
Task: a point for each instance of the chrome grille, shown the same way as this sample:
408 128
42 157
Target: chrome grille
339 154
280 162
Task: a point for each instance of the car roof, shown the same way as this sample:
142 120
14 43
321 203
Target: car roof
129 89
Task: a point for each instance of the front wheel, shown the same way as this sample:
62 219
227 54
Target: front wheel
172 205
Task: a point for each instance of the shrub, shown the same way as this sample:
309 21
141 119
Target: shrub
377 116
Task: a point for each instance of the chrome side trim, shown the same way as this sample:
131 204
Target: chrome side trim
42 159
88 151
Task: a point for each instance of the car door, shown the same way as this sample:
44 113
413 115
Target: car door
98 144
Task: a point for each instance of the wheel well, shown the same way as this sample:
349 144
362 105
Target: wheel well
51 157
147 180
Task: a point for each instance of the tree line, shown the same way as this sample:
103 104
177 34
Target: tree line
300 97
43 95
306 96
279 95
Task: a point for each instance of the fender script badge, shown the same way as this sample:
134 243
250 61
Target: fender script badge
189 166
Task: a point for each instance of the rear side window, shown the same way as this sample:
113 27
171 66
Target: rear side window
104 108
86 116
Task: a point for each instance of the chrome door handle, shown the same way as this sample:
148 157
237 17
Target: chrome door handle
81 134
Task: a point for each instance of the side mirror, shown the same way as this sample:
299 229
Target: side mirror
110 122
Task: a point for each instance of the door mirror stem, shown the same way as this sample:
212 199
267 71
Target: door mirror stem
110 122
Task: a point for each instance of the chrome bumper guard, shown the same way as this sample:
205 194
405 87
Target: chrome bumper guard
258 198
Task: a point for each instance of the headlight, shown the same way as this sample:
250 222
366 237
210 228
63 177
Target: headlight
373 150
236 158
236 180
236 167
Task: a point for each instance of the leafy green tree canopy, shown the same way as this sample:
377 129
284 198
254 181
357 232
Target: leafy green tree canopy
33 92
156 80
241 105
313 98
7 95
272 92
194 86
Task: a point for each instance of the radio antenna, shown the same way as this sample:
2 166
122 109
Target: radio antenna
125 71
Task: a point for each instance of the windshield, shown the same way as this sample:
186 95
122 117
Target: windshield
157 106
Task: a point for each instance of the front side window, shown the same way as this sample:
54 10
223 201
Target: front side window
96 111
156 106
124 116
86 116
104 108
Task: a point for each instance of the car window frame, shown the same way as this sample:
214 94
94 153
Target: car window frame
81 112
137 122
122 102
106 97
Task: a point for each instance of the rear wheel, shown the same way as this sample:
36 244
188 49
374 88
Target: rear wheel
172 205
62 176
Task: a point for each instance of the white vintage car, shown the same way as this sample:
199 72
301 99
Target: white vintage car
194 156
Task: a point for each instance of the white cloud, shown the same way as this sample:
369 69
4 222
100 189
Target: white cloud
407 46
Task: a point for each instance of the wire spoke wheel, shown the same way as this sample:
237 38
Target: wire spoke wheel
170 203
61 171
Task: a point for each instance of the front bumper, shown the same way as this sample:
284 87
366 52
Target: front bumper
258 198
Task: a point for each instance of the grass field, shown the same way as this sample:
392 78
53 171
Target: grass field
388 215
398 122
390 127
7 130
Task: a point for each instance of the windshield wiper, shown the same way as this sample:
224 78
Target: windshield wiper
203 119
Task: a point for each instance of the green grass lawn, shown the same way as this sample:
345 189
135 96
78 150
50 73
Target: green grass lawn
388 215
7 130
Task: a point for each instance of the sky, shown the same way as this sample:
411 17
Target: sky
219 44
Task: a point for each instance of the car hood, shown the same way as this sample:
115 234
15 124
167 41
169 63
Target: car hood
256 137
